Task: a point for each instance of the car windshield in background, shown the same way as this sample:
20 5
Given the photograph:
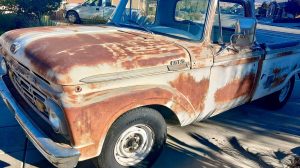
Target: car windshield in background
92 2
179 18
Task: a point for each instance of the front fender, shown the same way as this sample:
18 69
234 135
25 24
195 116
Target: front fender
90 123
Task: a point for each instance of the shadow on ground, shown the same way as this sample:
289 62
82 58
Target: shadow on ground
249 134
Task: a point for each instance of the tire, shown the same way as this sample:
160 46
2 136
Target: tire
128 133
73 17
278 99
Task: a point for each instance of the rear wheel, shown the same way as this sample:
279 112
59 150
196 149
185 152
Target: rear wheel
278 99
136 139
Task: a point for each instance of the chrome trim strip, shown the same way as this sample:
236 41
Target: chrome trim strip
127 74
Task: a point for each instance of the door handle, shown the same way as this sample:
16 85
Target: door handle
178 67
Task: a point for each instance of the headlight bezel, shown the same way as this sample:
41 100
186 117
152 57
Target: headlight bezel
56 117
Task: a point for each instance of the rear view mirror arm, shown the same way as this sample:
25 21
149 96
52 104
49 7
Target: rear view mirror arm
227 47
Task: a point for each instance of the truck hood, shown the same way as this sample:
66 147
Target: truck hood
65 55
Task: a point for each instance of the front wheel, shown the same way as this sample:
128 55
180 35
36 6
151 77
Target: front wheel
278 99
136 139
73 17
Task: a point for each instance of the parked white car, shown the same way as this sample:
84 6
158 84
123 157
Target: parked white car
90 9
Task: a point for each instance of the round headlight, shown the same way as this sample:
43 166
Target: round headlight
56 117
55 121
3 67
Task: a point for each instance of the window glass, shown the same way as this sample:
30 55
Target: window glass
230 12
93 2
140 12
193 11
179 18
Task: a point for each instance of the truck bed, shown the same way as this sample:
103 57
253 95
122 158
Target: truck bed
277 37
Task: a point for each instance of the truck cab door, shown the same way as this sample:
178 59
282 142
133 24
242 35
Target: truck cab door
234 72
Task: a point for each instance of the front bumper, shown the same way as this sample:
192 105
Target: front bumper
58 155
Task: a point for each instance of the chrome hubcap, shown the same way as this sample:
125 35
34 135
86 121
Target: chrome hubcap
72 18
284 92
134 145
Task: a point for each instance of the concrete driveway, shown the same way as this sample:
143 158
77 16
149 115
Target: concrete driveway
248 136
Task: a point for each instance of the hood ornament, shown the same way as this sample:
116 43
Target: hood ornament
14 48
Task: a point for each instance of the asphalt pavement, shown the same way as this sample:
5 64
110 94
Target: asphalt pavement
247 136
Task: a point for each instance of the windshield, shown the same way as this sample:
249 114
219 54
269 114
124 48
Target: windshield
91 2
179 18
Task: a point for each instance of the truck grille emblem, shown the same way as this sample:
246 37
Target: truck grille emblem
14 48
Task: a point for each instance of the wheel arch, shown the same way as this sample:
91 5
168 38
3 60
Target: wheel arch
292 75
71 10
168 114
172 105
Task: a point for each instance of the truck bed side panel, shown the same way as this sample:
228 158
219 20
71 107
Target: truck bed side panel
278 67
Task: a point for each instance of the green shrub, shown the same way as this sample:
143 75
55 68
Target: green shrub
95 20
45 21
14 21
58 15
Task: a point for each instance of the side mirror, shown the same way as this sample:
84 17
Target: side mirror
245 31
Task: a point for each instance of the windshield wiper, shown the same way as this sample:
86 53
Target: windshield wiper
141 26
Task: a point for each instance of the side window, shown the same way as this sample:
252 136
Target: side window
93 2
190 10
142 12
230 12
190 17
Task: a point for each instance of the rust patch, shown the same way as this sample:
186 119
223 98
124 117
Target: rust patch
279 77
195 91
286 53
85 128
235 89
277 71
119 50
279 80
240 61
154 61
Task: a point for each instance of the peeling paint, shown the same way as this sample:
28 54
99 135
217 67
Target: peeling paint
195 91
235 89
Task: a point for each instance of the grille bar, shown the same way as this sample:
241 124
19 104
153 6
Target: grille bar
20 77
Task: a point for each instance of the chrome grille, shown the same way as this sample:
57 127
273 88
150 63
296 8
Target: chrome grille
23 80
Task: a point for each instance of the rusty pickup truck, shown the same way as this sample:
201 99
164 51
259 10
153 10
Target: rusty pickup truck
107 92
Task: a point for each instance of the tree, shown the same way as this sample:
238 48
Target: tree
7 5
38 8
